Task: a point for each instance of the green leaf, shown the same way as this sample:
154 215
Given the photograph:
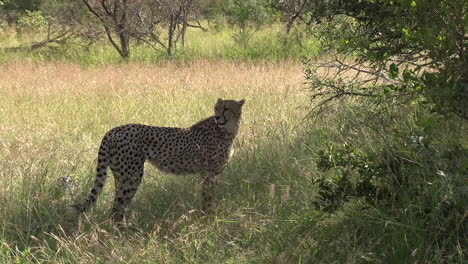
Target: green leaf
393 71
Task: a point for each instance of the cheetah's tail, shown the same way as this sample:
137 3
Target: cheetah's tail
101 176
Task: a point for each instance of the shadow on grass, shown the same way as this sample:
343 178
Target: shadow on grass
264 213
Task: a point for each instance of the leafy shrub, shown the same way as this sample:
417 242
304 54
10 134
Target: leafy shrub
355 174
423 42
247 17
32 21
410 160
403 176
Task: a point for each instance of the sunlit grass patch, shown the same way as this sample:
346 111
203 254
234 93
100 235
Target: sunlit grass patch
53 116
271 44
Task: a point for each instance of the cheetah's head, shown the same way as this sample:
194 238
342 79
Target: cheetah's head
228 113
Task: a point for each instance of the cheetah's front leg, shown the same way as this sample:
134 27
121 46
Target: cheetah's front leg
209 183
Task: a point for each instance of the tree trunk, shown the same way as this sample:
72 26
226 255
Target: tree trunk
185 13
171 32
117 14
125 45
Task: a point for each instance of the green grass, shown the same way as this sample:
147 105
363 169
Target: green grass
268 44
53 116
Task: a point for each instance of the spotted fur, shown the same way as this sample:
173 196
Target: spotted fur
204 148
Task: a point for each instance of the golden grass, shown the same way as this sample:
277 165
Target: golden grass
52 99
56 113
65 102
46 78
33 91
53 116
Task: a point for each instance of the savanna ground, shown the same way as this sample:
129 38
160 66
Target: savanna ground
54 114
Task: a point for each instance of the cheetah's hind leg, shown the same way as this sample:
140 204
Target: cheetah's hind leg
126 185
101 176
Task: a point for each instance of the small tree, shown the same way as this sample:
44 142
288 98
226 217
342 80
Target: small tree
162 24
13 9
293 11
115 16
247 17
406 47
158 23
55 22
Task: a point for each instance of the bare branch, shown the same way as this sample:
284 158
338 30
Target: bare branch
197 26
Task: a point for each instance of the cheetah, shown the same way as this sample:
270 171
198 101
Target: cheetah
204 148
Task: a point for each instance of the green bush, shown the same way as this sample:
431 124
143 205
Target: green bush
423 42
355 174
32 21
247 17
387 176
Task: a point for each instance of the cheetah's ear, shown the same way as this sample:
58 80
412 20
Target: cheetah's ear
241 102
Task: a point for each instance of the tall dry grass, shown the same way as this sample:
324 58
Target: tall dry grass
54 100
53 115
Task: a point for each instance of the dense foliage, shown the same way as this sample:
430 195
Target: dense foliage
393 57
421 46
